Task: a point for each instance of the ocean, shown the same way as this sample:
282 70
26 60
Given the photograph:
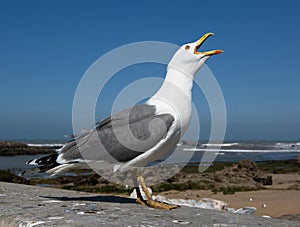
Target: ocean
189 153
256 151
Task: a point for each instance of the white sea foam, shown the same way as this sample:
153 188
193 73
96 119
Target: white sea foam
288 145
239 150
45 144
220 144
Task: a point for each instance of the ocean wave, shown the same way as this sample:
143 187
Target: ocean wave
238 150
287 145
220 144
45 144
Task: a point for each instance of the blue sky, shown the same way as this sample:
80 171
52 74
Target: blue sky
46 46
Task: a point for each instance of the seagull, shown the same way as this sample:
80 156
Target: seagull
136 136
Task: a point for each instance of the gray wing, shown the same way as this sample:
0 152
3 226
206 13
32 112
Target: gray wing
141 122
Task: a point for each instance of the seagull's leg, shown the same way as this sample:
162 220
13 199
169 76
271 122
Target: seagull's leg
153 203
139 197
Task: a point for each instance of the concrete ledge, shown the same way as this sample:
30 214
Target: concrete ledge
23 205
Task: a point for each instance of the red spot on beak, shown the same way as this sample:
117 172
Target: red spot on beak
218 51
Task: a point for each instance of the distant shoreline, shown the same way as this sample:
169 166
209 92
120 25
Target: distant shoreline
8 148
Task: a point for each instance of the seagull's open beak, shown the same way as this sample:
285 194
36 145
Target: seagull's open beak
206 53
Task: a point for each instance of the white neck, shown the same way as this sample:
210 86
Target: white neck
175 96
175 80
180 79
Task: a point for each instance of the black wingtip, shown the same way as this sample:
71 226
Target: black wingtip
46 160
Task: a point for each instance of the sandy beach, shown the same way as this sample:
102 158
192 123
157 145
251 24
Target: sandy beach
277 201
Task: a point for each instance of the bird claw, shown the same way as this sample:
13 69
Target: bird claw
150 202
160 205
141 202
156 204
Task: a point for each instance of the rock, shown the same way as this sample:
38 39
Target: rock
205 203
6 176
231 210
8 148
292 217
178 202
265 180
266 216
214 204
298 159
247 164
246 210
26 205
241 176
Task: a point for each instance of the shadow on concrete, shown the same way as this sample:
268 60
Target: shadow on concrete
100 198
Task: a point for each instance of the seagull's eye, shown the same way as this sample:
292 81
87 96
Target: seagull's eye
187 47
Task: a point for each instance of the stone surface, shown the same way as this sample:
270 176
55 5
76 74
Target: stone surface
205 203
246 210
23 205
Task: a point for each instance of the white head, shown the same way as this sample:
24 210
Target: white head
189 59
175 94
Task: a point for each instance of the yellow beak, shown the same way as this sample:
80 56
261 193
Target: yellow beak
201 41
